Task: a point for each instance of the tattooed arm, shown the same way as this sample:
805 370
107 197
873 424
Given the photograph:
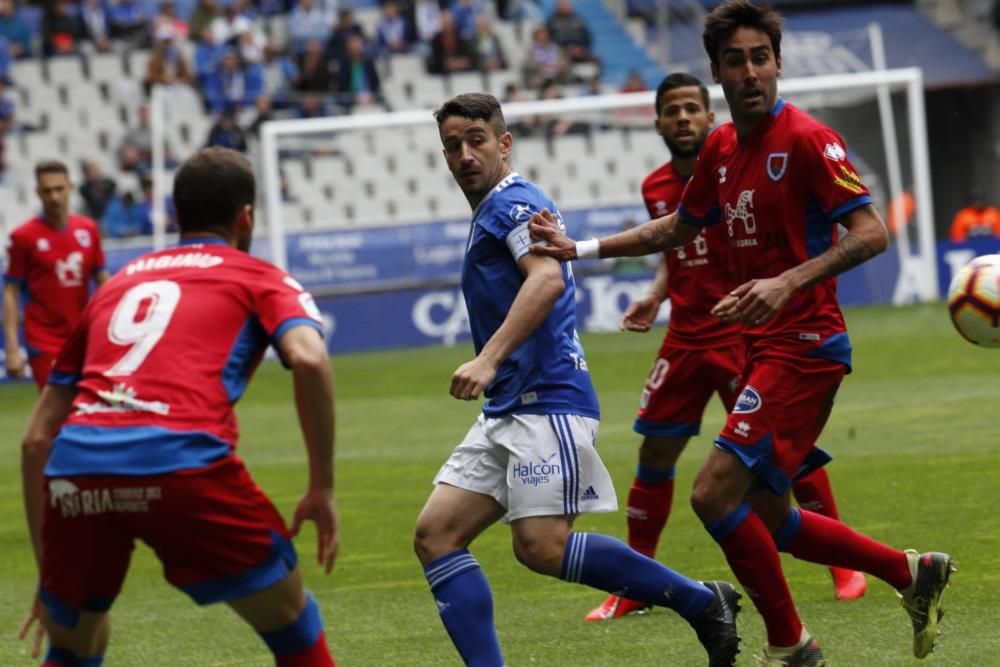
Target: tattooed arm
657 235
757 301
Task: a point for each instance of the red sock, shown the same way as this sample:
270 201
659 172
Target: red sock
754 560
813 493
647 513
317 655
830 542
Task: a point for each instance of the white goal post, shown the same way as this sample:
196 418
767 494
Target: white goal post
917 265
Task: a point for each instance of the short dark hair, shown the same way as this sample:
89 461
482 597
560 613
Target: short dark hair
727 17
51 167
475 106
211 188
680 80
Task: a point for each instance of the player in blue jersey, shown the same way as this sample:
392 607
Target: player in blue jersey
530 459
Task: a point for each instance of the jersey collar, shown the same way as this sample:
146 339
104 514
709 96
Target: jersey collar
203 240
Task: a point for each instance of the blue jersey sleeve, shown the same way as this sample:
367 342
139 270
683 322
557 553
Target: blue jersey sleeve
510 210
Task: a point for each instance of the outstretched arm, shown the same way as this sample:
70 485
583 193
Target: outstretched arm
757 301
670 231
15 360
543 285
303 350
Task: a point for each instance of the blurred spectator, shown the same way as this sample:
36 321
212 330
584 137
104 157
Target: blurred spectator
264 114
97 190
465 13
570 32
5 59
15 30
900 211
206 57
280 74
343 29
167 19
641 115
127 21
314 75
392 35
427 20
489 54
121 218
202 16
144 208
166 66
95 24
135 153
553 126
449 52
6 124
226 132
545 61
232 83
523 126
977 219
307 22
230 24
313 106
251 47
527 11
61 32
357 78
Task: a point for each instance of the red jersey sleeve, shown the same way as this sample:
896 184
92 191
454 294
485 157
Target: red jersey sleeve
700 199
281 303
16 266
832 180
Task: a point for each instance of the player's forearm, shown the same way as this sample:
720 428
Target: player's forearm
866 238
50 412
314 404
10 317
531 306
654 236
658 288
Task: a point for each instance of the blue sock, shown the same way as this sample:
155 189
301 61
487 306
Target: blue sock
66 658
465 604
298 635
610 565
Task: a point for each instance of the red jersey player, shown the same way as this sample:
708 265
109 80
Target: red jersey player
780 181
51 259
700 355
134 436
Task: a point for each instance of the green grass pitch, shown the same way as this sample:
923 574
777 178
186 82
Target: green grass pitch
915 439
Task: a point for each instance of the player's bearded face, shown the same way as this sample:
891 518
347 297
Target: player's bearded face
748 71
476 156
54 190
683 121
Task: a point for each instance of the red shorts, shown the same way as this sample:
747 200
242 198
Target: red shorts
213 529
779 416
680 385
41 365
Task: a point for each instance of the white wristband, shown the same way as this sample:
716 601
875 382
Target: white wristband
589 249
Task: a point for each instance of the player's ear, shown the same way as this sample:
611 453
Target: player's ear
506 143
777 60
244 219
711 118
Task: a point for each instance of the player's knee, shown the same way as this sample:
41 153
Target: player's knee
301 633
542 554
431 543
706 500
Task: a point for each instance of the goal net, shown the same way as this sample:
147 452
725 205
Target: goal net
363 211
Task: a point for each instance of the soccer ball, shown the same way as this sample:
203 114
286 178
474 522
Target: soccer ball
974 301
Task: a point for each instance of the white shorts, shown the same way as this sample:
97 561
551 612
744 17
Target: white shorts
533 465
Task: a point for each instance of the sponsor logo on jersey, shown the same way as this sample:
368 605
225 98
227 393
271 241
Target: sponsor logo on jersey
122 398
722 175
69 271
537 473
743 429
309 305
197 260
590 494
742 212
835 152
777 163
82 237
43 245
661 207
749 401
520 213
849 180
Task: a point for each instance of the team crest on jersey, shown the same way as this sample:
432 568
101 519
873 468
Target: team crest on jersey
43 245
82 237
520 213
661 207
722 175
749 401
69 271
835 152
777 163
